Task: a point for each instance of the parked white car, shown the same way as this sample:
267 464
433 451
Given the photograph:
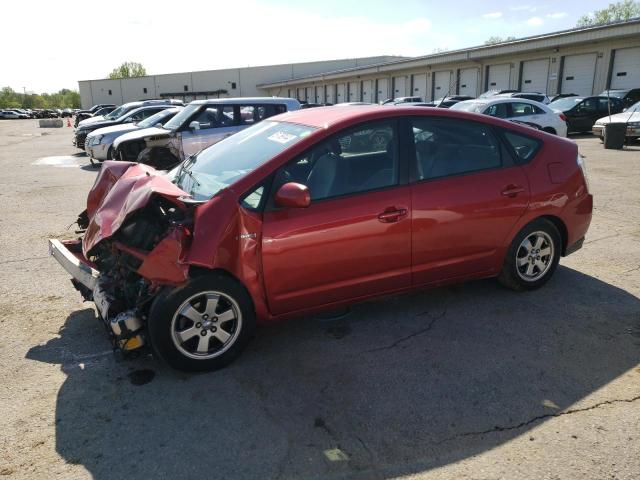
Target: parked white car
631 116
201 124
98 143
519 109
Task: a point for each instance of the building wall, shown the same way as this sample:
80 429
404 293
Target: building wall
400 74
245 80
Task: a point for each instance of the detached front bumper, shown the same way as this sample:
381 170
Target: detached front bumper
69 255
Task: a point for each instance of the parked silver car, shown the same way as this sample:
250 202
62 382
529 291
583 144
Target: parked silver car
201 124
98 143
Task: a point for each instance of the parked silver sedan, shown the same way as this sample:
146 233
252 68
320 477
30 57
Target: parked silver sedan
98 144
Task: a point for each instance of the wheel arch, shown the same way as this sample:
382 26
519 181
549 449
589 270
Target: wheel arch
197 271
560 225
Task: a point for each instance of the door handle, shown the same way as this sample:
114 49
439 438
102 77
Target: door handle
512 190
392 215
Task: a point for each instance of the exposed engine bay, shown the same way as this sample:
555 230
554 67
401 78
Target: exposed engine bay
135 233
122 294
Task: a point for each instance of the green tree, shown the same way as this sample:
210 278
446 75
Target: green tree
65 98
615 12
128 70
495 39
9 98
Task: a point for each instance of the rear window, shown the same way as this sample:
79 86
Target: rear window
524 147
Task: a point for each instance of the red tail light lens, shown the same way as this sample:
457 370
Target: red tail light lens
563 117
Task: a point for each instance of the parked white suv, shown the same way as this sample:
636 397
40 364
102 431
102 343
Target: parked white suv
201 124
517 109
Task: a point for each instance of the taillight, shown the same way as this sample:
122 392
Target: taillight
563 117
583 167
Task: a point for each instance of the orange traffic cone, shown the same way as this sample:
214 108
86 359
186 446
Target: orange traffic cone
68 122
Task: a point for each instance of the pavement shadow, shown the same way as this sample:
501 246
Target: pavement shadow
402 385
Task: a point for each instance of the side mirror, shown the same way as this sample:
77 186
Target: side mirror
129 120
293 195
158 125
194 125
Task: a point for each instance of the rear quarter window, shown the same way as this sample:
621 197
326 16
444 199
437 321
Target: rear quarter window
524 147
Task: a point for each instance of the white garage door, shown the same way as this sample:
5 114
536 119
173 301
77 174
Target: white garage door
626 68
354 91
442 84
341 93
311 94
468 82
367 90
499 77
535 74
578 73
399 87
383 89
331 94
300 93
420 86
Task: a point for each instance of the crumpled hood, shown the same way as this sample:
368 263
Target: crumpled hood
120 189
141 133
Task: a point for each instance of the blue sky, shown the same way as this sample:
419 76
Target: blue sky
233 33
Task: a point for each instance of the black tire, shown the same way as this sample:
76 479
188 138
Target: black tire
164 319
549 130
515 277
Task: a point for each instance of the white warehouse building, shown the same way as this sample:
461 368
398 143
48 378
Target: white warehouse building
583 61
230 82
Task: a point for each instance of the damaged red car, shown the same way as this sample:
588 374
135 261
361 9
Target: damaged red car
314 210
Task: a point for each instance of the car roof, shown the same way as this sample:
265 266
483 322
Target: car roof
335 118
246 100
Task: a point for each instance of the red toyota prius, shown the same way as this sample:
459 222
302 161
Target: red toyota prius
316 209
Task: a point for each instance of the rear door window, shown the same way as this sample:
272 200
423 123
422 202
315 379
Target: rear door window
445 147
524 147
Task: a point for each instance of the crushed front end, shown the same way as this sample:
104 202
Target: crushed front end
135 234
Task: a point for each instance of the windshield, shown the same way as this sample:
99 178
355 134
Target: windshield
121 110
565 103
159 117
469 106
180 118
633 108
228 161
614 93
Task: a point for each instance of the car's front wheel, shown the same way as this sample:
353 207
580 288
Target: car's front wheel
533 256
202 325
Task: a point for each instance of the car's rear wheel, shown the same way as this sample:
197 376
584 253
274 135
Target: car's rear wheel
550 130
533 256
203 325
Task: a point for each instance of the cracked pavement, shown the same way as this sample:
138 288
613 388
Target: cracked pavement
466 382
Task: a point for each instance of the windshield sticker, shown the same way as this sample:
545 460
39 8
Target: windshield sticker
281 137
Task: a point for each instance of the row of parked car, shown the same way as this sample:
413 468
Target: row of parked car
147 130
560 114
23 113
265 211
162 133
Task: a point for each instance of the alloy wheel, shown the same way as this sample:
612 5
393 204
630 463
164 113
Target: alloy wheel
206 325
534 256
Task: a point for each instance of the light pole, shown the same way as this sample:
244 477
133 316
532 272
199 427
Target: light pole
24 98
